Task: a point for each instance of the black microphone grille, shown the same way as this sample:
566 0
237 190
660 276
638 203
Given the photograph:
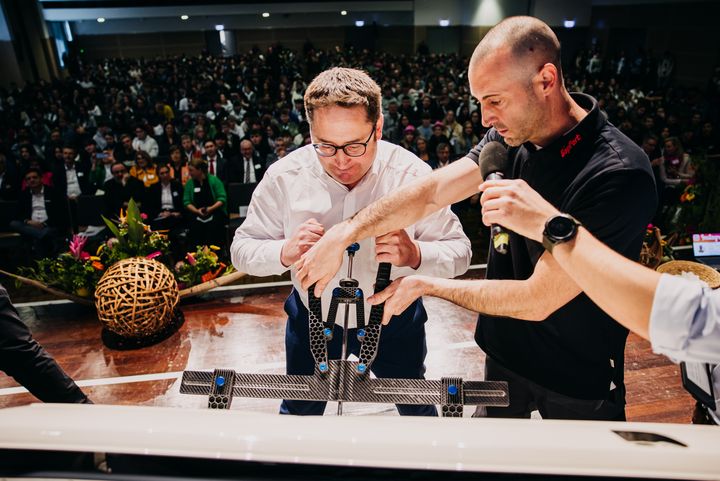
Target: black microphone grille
493 158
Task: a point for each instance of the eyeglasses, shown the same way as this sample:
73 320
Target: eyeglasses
353 149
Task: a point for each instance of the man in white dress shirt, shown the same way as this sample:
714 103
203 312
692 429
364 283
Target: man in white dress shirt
319 185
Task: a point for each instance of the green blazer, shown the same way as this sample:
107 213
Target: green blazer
216 187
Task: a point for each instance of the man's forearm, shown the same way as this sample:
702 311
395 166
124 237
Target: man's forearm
414 201
492 297
622 288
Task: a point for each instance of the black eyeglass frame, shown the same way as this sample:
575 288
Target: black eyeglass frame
335 148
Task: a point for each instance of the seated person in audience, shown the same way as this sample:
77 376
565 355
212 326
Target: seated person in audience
442 156
178 166
217 165
205 199
408 139
72 179
46 176
250 168
144 169
421 149
466 141
676 167
425 129
9 186
164 202
23 359
189 150
125 152
232 140
438 137
103 169
42 215
143 142
120 189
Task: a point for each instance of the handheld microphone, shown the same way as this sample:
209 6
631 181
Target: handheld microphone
493 162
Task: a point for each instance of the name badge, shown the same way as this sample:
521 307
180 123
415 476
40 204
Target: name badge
257 166
175 194
80 174
197 190
150 176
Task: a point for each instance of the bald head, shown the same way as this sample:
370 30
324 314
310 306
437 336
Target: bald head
529 42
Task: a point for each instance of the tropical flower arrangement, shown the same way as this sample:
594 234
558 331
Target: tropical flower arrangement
77 272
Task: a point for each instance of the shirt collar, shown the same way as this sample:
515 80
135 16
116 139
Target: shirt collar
573 141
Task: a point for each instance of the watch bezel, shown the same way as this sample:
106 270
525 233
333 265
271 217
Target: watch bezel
561 220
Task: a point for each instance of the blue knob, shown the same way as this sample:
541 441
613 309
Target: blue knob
360 333
327 332
452 389
361 368
337 292
220 381
323 367
358 293
353 248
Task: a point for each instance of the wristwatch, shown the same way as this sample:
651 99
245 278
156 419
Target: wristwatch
559 229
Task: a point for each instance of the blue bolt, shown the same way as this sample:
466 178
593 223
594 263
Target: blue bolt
220 381
323 367
358 293
337 292
354 247
361 368
452 389
327 332
361 333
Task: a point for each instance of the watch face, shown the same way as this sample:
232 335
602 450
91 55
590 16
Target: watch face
560 227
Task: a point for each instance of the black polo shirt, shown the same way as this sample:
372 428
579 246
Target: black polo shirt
598 175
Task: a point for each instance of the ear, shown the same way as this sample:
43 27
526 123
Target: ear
379 127
548 78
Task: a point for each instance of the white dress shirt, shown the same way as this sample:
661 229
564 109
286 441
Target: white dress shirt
73 184
685 320
148 145
166 197
296 188
685 326
39 213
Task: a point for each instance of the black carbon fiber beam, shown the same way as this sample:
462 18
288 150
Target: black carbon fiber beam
318 339
355 389
221 392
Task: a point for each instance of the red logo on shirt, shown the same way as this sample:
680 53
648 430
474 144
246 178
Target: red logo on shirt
572 143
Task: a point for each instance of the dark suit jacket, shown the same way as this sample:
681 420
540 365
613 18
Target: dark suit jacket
221 171
56 207
84 179
10 187
232 145
116 195
238 168
153 201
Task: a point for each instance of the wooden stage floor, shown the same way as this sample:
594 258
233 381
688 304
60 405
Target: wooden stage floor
244 330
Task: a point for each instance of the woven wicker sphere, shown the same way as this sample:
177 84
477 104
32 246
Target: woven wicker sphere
136 297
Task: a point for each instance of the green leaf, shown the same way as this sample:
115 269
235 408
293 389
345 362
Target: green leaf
113 228
136 230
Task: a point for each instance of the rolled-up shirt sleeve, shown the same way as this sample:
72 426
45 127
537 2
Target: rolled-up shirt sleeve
444 248
258 242
685 321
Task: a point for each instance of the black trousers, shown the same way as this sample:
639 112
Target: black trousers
22 358
527 396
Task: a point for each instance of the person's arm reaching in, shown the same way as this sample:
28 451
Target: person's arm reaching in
398 210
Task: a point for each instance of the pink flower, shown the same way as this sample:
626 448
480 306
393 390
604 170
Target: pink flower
650 226
190 258
76 247
179 265
153 255
143 216
84 256
111 242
